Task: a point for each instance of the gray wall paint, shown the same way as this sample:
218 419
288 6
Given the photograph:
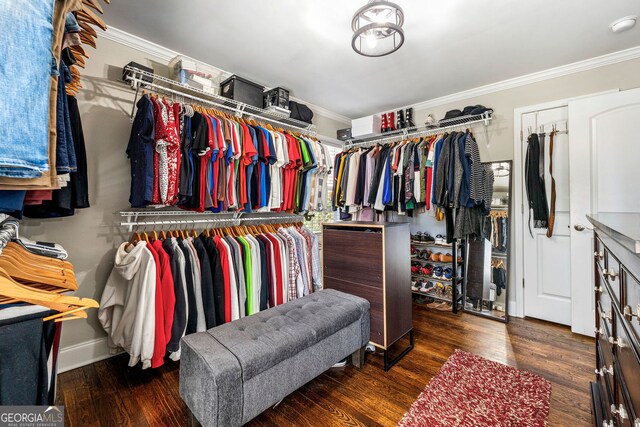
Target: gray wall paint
91 236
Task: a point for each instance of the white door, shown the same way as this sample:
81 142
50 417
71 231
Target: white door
547 272
604 178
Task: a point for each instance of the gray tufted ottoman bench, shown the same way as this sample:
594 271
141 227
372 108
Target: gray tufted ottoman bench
233 372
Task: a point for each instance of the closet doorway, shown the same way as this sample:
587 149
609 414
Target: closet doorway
547 272
594 170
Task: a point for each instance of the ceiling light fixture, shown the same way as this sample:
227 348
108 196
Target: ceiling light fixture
377 28
623 24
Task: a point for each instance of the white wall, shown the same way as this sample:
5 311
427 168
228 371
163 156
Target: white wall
92 235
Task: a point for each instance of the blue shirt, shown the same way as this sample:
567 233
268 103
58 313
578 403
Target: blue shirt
140 153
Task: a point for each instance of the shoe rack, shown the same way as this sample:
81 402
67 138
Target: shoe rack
457 264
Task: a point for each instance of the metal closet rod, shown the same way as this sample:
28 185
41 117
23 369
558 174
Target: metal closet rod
239 110
215 221
484 118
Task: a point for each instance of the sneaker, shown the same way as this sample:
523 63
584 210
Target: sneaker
414 285
426 237
424 289
415 269
430 122
437 272
440 239
446 257
427 270
448 273
425 254
445 306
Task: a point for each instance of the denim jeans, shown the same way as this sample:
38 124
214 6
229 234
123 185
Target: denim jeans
24 81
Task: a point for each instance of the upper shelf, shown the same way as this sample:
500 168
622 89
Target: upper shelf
417 131
239 109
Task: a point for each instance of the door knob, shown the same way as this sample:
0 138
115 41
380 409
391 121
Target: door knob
579 227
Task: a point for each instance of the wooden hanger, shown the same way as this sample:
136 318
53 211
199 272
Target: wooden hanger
93 4
88 15
62 303
87 39
87 29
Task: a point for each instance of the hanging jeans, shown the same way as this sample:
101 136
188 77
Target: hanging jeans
24 79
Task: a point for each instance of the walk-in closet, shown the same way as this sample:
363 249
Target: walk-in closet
367 213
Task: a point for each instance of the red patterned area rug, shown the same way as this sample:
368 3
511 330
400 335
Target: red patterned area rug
472 391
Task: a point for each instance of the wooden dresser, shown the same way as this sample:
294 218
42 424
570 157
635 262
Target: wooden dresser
372 260
616 389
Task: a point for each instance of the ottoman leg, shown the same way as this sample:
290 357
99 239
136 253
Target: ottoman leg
357 358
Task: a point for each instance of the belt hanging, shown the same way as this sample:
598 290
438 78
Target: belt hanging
552 208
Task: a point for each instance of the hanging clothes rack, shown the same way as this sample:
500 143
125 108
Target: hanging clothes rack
139 79
414 132
214 222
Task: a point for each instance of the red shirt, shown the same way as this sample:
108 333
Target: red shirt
160 342
168 292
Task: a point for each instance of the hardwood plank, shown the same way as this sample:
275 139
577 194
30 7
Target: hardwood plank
111 393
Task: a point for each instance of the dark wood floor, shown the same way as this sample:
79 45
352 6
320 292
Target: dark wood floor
110 393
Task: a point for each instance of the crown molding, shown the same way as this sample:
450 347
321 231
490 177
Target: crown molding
138 43
166 54
551 73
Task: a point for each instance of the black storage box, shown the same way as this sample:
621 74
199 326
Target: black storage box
344 134
126 73
277 97
242 90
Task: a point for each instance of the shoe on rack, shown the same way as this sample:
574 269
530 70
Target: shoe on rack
408 118
430 288
391 121
459 259
427 237
400 119
446 257
445 306
415 252
440 239
435 256
425 254
423 287
448 273
448 291
427 270
439 288
414 285
415 269
383 123
437 272
430 122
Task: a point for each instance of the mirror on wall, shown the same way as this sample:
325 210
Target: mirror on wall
486 281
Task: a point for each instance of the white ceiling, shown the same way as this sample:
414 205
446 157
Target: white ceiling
451 45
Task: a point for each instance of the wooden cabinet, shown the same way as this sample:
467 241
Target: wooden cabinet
372 261
616 390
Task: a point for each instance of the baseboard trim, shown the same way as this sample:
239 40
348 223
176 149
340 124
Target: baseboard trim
86 353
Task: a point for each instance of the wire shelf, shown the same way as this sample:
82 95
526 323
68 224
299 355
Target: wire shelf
412 132
162 84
